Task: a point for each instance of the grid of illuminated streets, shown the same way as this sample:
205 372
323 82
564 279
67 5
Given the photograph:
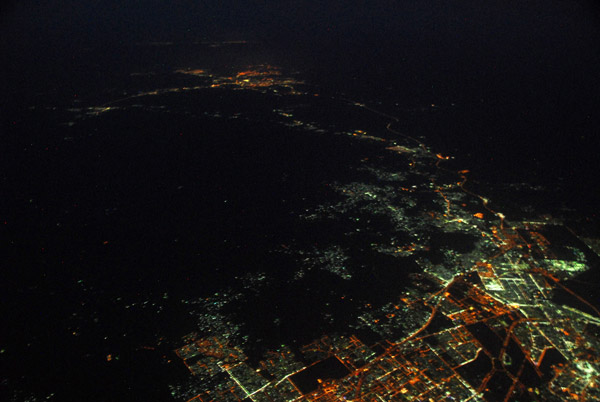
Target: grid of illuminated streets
492 334
488 329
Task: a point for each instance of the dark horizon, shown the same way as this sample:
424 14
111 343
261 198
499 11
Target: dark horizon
520 77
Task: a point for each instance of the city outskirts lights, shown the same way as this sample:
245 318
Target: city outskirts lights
261 76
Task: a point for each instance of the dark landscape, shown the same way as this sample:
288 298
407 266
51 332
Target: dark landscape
299 201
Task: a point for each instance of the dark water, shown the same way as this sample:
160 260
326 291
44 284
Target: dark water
307 380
